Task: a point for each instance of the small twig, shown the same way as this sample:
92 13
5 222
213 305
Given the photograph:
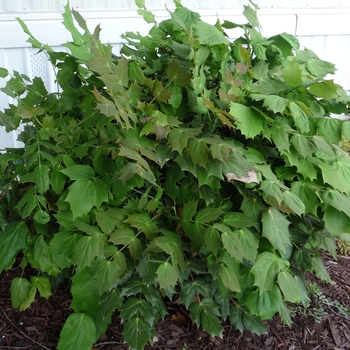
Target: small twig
109 343
25 335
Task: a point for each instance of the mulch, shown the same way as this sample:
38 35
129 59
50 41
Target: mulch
324 325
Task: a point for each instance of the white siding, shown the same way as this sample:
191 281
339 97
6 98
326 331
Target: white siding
321 25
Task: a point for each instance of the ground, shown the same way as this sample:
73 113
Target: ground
325 325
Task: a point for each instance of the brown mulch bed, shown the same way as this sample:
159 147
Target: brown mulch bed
39 326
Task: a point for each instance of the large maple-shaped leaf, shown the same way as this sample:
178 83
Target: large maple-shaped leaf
208 34
275 229
325 89
291 73
265 270
79 332
87 249
107 272
83 195
330 128
249 120
337 200
198 151
266 304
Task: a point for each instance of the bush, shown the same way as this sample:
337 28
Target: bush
191 167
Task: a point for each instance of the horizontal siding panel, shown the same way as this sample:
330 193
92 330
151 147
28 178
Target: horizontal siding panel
57 5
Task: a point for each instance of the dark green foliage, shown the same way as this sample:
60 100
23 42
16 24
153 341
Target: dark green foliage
191 167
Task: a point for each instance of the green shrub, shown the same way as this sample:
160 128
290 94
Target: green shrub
192 167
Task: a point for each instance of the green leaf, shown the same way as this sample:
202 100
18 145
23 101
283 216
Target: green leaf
265 305
266 269
167 275
212 239
293 202
79 39
249 120
42 255
307 169
198 151
107 220
254 324
271 189
41 178
137 332
82 197
320 270
30 297
302 145
13 239
3 72
208 34
87 249
19 290
280 137
175 74
9 122
107 273
229 279
57 179
285 315
275 229
336 221
307 195
300 118
83 281
275 103
191 288
325 89
251 15
237 220
184 17
249 243
142 222
62 248
236 317
335 177
211 323
330 129
289 287
230 242
337 200
291 73
208 214
78 332
79 172
320 68
43 285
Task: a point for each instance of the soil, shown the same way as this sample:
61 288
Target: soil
324 325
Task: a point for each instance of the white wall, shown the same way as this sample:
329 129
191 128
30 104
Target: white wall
320 25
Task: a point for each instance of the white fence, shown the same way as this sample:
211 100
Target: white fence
320 25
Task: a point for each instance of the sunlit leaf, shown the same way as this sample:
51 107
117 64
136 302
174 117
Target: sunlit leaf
208 34
249 121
